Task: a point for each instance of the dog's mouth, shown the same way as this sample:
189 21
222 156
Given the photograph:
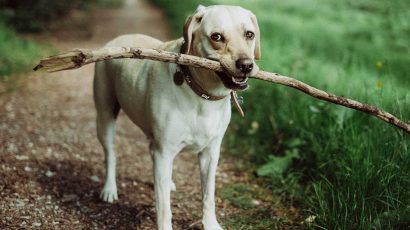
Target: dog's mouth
233 82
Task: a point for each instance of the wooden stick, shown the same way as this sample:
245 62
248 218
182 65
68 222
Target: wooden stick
79 57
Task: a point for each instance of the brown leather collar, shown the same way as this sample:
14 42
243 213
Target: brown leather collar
186 74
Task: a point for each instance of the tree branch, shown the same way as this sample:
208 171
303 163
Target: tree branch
79 57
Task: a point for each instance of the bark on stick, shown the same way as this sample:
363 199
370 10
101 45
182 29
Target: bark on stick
79 57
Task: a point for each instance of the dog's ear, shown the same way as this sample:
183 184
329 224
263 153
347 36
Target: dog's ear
257 37
191 24
200 8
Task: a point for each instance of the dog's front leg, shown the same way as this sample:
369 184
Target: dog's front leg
162 185
208 161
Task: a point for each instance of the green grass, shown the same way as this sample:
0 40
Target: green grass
16 54
252 209
355 169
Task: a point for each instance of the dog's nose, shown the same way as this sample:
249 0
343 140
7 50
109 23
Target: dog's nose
245 65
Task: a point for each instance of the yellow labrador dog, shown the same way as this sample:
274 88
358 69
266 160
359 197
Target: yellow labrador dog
178 108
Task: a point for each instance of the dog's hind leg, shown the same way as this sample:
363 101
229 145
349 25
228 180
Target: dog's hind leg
107 108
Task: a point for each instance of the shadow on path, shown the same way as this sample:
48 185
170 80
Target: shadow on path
77 194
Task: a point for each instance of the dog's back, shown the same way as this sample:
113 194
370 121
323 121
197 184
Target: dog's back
108 72
135 40
105 69
125 83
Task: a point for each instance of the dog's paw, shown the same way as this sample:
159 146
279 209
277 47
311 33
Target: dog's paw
109 193
211 225
173 187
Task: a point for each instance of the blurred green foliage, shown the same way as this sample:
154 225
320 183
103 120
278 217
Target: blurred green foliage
355 169
16 54
33 15
19 55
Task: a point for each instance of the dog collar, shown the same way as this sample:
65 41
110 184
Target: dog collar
184 74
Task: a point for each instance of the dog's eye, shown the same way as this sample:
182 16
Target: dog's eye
217 37
249 35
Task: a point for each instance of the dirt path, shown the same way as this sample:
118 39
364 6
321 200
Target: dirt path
51 165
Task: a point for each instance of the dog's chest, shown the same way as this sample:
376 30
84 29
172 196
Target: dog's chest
203 126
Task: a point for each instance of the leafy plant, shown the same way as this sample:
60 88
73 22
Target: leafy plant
278 165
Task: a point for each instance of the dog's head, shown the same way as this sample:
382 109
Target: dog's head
228 34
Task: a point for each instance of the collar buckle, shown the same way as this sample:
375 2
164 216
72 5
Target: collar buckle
205 96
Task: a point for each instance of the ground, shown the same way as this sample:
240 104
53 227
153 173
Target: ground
51 163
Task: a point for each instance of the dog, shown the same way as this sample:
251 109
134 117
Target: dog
178 108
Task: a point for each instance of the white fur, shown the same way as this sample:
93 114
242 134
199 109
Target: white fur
173 117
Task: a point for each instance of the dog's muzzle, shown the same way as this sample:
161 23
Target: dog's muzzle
234 81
